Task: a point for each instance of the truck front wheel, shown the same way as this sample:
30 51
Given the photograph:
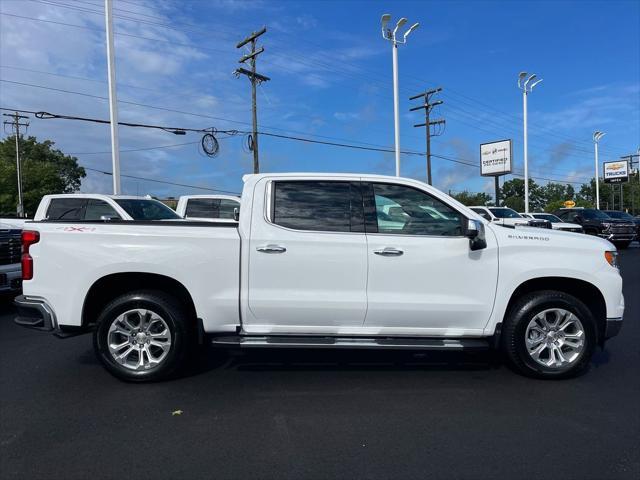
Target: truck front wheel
143 336
549 334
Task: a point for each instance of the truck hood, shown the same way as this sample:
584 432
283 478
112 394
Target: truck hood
536 238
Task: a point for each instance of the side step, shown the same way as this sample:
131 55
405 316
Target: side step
399 343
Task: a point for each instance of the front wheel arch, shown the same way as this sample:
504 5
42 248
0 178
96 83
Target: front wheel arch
584 291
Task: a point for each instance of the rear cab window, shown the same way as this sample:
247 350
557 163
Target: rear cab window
66 209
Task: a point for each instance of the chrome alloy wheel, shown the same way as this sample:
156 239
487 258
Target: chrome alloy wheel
555 338
139 339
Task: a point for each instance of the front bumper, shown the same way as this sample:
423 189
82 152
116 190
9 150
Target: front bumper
36 313
612 327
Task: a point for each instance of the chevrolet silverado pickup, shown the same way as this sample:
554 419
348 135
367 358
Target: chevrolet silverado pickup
314 263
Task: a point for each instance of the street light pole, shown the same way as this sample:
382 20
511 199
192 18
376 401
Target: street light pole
596 138
524 83
390 35
396 107
113 100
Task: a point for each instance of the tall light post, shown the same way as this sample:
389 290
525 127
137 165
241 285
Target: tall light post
113 99
391 35
525 84
596 138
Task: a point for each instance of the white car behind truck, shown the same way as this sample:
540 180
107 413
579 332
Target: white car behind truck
98 207
310 265
220 208
508 217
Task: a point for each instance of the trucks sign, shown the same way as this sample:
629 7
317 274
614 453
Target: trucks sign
495 158
616 172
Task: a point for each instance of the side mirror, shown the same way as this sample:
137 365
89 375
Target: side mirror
236 214
475 233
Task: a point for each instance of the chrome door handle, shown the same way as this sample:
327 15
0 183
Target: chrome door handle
271 249
388 252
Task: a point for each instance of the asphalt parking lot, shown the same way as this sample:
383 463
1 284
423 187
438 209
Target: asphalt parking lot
359 414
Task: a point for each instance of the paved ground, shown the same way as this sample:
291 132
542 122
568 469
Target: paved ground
319 415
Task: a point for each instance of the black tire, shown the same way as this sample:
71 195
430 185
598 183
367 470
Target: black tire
622 245
175 316
515 326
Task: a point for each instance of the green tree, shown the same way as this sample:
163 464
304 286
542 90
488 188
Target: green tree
45 170
512 194
473 198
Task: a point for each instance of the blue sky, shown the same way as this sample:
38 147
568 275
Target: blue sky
331 79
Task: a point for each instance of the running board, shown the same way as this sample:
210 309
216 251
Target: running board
399 343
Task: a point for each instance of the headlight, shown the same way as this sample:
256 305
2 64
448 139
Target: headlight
612 258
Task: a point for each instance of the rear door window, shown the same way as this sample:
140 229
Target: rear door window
66 209
317 206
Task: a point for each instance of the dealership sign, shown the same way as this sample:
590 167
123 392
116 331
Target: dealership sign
616 172
495 158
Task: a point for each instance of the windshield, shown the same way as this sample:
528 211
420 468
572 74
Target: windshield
593 214
547 216
617 214
505 213
147 209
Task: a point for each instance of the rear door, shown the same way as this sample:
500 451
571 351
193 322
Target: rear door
423 278
307 268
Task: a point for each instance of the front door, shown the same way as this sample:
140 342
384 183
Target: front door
307 259
423 278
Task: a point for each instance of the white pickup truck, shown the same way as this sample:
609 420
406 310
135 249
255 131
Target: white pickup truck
311 265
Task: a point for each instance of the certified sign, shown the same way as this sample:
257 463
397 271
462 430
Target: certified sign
495 158
616 172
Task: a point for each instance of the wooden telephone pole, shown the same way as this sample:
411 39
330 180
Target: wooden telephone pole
255 79
428 123
16 124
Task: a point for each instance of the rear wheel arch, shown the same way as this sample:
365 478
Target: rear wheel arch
109 287
584 291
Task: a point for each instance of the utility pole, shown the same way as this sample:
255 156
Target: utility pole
16 126
526 83
113 99
428 106
255 79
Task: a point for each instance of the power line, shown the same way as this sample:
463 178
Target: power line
155 180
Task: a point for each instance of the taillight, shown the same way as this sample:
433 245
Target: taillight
29 237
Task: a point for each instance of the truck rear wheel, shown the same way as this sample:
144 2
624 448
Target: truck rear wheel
549 334
143 336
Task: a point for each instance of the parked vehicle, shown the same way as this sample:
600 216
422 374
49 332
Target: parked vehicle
508 217
10 251
596 222
310 265
12 223
95 207
627 217
556 223
209 207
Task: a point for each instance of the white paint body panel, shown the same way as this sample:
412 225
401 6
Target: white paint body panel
325 283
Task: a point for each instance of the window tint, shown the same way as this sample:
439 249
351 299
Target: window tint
315 205
404 210
98 208
502 212
211 208
483 213
147 209
66 209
